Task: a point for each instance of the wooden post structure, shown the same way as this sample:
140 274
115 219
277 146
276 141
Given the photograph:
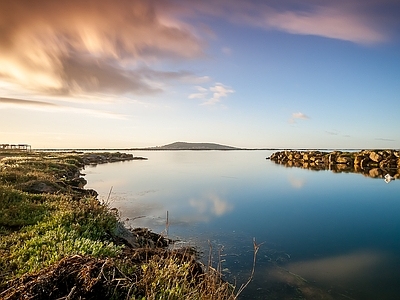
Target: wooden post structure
17 147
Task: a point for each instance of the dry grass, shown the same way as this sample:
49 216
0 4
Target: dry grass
60 245
139 274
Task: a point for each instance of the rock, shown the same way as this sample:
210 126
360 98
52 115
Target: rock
364 164
370 163
77 182
123 233
39 187
375 172
358 159
344 160
332 158
375 157
341 168
384 164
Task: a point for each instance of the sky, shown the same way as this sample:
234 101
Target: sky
256 74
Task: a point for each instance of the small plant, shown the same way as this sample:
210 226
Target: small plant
62 244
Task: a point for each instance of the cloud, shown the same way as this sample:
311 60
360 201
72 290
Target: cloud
326 22
202 93
211 204
362 22
297 183
298 115
331 132
21 102
219 91
340 268
78 47
52 107
385 140
212 95
226 50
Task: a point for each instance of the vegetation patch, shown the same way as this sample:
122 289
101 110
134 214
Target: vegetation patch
57 241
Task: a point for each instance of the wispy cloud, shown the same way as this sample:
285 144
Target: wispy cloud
344 267
211 204
201 93
212 95
330 22
21 102
52 107
227 50
359 22
297 183
331 132
219 91
298 116
78 47
385 140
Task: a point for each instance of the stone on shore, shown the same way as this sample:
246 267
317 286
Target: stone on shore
372 163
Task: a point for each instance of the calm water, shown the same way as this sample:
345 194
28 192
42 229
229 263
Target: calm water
333 236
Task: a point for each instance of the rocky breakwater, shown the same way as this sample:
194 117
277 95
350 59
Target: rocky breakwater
95 158
371 163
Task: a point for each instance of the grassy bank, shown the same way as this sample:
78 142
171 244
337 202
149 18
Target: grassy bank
58 241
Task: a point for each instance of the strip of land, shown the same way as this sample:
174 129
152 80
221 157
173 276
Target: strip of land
57 241
371 163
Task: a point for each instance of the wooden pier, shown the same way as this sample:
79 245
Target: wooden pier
17 147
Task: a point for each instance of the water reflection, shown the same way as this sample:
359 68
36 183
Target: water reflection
211 204
337 232
297 182
376 164
338 269
389 178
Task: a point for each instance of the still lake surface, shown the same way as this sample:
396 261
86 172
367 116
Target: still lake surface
332 236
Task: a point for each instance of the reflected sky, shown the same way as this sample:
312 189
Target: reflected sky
326 227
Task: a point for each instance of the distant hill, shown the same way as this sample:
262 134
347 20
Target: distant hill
194 146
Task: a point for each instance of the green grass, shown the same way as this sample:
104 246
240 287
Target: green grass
51 228
73 234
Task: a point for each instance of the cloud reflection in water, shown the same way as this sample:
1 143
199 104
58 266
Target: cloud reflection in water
341 268
211 204
297 183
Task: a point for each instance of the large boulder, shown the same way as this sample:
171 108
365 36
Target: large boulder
365 163
344 160
358 159
375 172
39 187
375 157
332 158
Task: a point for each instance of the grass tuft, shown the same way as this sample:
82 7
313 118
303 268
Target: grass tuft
56 242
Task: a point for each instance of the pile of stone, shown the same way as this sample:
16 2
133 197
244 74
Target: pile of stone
107 157
373 163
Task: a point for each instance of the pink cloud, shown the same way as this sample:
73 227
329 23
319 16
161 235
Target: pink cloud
326 22
298 116
78 46
355 21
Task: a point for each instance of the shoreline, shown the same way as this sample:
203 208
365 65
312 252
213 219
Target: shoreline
59 241
370 163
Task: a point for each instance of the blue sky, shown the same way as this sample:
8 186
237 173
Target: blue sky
276 74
